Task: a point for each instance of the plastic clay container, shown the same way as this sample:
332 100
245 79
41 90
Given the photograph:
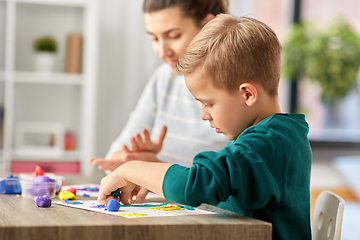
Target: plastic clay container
10 185
31 190
59 179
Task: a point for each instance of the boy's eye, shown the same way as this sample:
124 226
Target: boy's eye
208 105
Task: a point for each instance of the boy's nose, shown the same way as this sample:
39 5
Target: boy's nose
205 116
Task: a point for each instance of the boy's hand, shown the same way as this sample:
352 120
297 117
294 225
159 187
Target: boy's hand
112 182
144 143
140 193
150 175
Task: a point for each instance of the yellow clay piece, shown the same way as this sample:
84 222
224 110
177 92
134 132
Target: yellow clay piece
167 208
66 195
133 214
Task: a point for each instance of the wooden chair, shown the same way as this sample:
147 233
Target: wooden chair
327 216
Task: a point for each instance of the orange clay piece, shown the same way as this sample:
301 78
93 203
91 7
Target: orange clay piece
37 172
66 195
73 190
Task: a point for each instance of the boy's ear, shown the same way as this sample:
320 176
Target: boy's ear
207 19
249 92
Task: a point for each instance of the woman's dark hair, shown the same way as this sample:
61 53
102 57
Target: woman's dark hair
194 9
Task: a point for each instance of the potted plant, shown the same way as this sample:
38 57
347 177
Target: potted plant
329 56
45 53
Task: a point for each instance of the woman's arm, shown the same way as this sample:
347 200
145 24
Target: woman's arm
142 148
143 116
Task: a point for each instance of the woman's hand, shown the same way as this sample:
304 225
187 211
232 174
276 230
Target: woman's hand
142 148
104 164
144 143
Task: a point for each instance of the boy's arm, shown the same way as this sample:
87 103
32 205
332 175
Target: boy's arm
146 174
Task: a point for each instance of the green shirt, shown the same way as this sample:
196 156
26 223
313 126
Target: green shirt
264 173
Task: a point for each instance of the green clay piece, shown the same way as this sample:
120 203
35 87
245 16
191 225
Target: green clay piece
115 193
186 207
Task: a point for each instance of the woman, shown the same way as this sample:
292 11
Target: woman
166 100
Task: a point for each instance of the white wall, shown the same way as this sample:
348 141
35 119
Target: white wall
126 62
2 36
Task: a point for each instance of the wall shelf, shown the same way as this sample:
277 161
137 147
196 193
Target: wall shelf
43 97
45 154
66 3
42 78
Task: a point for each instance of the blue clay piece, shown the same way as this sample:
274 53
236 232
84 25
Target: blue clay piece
113 205
10 185
43 201
13 185
2 186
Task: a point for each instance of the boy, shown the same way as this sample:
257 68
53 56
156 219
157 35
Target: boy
233 68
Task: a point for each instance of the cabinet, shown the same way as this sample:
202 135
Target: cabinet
55 98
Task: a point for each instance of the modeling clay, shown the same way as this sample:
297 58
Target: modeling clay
73 190
58 188
98 206
66 195
44 201
186 207
86 195
133 214
41 185
10 185
167 208
41 179
37 172
144 205
113 205
115 193
71 202
91 189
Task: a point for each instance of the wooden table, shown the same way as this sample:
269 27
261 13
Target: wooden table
20 218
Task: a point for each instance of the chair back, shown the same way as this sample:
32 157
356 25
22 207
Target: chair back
327 216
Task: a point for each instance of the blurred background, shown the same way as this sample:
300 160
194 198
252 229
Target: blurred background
60 114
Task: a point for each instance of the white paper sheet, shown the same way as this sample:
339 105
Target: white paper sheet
133 211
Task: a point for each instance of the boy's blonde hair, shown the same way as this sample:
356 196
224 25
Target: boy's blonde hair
233 50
